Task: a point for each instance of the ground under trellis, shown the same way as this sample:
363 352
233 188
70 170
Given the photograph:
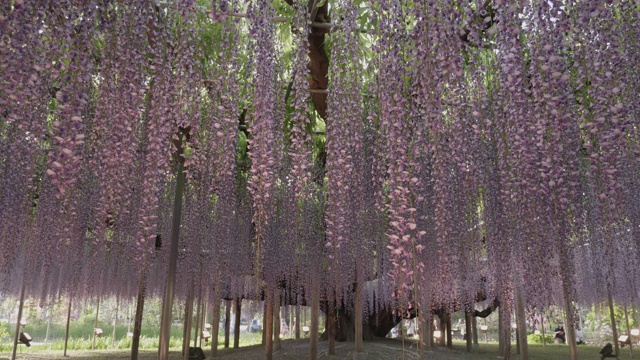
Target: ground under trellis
383 349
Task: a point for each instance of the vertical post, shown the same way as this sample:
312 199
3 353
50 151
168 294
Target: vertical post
95 324
137 324
297 322
474 326
188 314
626 318
264 320
268 325
501 330
236 330
203 320
331 324
17 336
443 331
276 320
486 339
115 322
196 334
315 320
167 300
449 337
467 329
46 335
66 332
215 323
521 324
544 340
424 333
227 322
613 321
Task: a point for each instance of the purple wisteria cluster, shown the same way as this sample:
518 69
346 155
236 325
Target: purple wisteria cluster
471 148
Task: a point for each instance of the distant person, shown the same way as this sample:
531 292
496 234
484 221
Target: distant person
411 329
579 336
255 325
558 333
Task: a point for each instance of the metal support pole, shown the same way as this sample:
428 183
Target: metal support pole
15 341
95 325
66 332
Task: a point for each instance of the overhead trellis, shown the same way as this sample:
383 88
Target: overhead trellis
497 149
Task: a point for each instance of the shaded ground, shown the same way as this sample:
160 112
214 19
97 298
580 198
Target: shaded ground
378 350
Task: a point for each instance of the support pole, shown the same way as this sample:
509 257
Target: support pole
137 324
17 336
236 329
188 314
500 331
467 329
66 332
544 340
626 318
521 323
297 322
215 323
449 337
264 320
95 324
167 301
276 320
442 341
424 331
268 326
196 334
331 324
315 320
227 322
115 322
614 327
474 326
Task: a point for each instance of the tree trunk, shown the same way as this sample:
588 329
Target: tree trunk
236 330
